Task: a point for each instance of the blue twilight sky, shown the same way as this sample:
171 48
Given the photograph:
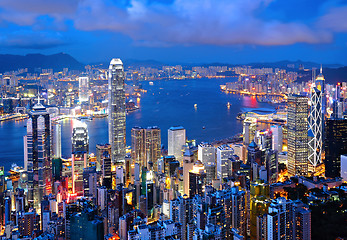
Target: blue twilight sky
195 31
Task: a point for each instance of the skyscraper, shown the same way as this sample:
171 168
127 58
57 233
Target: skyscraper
146 145
277 138
315 123
80 138
297 135
249 128
80 149
206 153
38 150
224 153
176 140
152 145
137 146
83 93
116 112
57 140
335 146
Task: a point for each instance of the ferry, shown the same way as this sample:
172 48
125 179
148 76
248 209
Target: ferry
151 83
89 118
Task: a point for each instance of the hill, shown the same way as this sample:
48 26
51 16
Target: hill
57 62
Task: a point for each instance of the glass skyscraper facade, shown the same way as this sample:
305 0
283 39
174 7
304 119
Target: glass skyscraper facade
116 112
297 135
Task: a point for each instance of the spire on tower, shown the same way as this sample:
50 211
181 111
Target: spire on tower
321 69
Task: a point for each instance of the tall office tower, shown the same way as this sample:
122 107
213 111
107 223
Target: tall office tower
335 146
337 109
249 128
277 138
152 144
254 159
80 138
188 164
271 163
207 153
116 112
146 146
137 146
197 178
102 150
280 219
80 150
176 140
297 135
259 204
37 154
315 124
83 93
224 153
57 140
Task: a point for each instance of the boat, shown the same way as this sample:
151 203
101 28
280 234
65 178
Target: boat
85 118
228 105
195 105
151 83
203 127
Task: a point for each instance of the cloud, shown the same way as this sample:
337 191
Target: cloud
335 19
179 22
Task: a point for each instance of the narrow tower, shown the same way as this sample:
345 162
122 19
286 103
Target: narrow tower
116 112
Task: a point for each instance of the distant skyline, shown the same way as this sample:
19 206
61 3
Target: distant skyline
189 31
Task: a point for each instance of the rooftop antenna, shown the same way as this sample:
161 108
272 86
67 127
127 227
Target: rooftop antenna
321 69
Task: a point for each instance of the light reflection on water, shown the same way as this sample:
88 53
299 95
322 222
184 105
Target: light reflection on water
167 103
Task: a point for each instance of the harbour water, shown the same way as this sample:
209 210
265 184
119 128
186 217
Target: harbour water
198 105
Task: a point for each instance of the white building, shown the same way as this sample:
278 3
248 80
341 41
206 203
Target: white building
83 94
176 140
206 153
224 153
277 138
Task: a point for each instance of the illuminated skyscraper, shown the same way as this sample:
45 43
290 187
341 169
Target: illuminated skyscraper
249 128
80 138
83 93
176 140
57 140
224 153
297 135
38 151
137 146
116 112
207 153
146 145
80 149
315 123
277 138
